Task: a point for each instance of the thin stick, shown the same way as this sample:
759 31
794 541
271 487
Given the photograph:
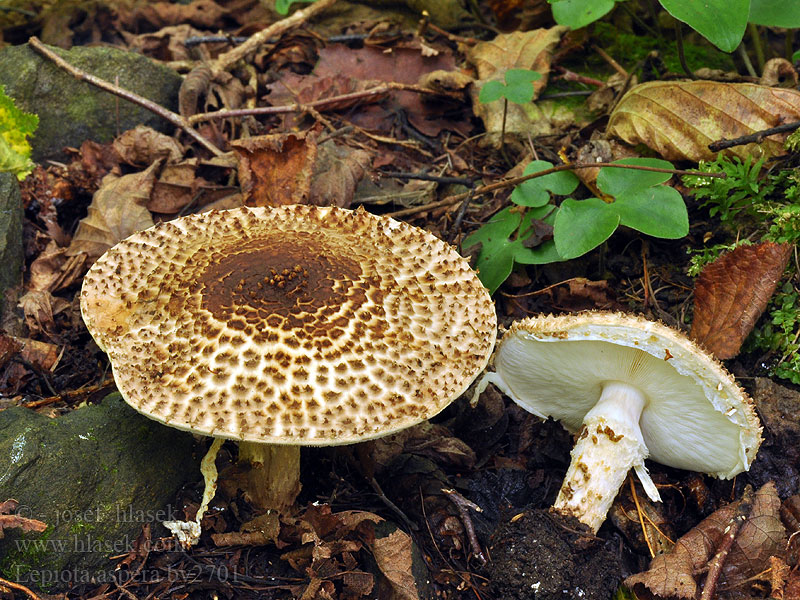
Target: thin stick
153 107
753 138
316 104
462 504
19 588
715 568
641 516
517 180
228 59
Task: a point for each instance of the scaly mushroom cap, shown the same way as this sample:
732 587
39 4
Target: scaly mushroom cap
696 417
290 325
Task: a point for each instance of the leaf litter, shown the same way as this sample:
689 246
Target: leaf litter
344 542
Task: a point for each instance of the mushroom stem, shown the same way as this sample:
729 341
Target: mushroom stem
273 482
610 443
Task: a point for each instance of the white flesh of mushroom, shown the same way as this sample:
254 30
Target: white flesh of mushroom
609 445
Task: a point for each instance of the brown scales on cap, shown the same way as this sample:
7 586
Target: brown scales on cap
293 325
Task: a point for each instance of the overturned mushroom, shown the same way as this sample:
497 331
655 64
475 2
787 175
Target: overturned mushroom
633 389
287 327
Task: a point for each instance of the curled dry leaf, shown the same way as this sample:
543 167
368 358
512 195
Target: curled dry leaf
54 269
275 170
762 535
680 119
11 521
118 209
143 146
337 171
732 292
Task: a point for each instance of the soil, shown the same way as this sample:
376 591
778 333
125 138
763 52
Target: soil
543 555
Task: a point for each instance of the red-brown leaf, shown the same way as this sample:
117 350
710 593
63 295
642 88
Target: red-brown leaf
732 292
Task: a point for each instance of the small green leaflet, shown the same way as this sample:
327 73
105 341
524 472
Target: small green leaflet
517 87
15 127
282 6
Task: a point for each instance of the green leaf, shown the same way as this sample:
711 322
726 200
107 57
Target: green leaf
496 257
618 182
721 22
582 225
579 13
519 88
658 211
536 192
542 254
774 13
491 91
282 6
15 127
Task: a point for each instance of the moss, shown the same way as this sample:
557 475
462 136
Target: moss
629 49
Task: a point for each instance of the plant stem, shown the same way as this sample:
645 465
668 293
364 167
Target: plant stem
681 55
758 48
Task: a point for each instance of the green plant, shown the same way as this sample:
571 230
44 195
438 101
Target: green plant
699 258
282 6
741 191
517 88
780 334
536 231
721 22
15 127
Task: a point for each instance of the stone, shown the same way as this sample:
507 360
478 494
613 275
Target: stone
95 476
10 236
72 111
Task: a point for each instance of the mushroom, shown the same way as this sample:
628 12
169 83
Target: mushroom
631 389
287 327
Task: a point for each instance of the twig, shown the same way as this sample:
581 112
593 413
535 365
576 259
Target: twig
153 107
753 138
316 104
610 60
462 211
462 504
231 57
426 177
69 395
681 54
19 588
715 568
517 180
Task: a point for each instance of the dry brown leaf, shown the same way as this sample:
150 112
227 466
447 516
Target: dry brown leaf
337 171
143 146
200 13
680 119
166 44
341 69
762 535
426 439
732 292
118 209
9 521
518 50
275 170
54 269
393 556
39 309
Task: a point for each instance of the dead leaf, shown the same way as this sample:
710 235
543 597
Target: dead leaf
143 146
341 69
732 292
275 170
762 535
166 44
118 209
39 309
54 269
393 556
680 119
779 72
518 50
337 171
200 13
10 521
